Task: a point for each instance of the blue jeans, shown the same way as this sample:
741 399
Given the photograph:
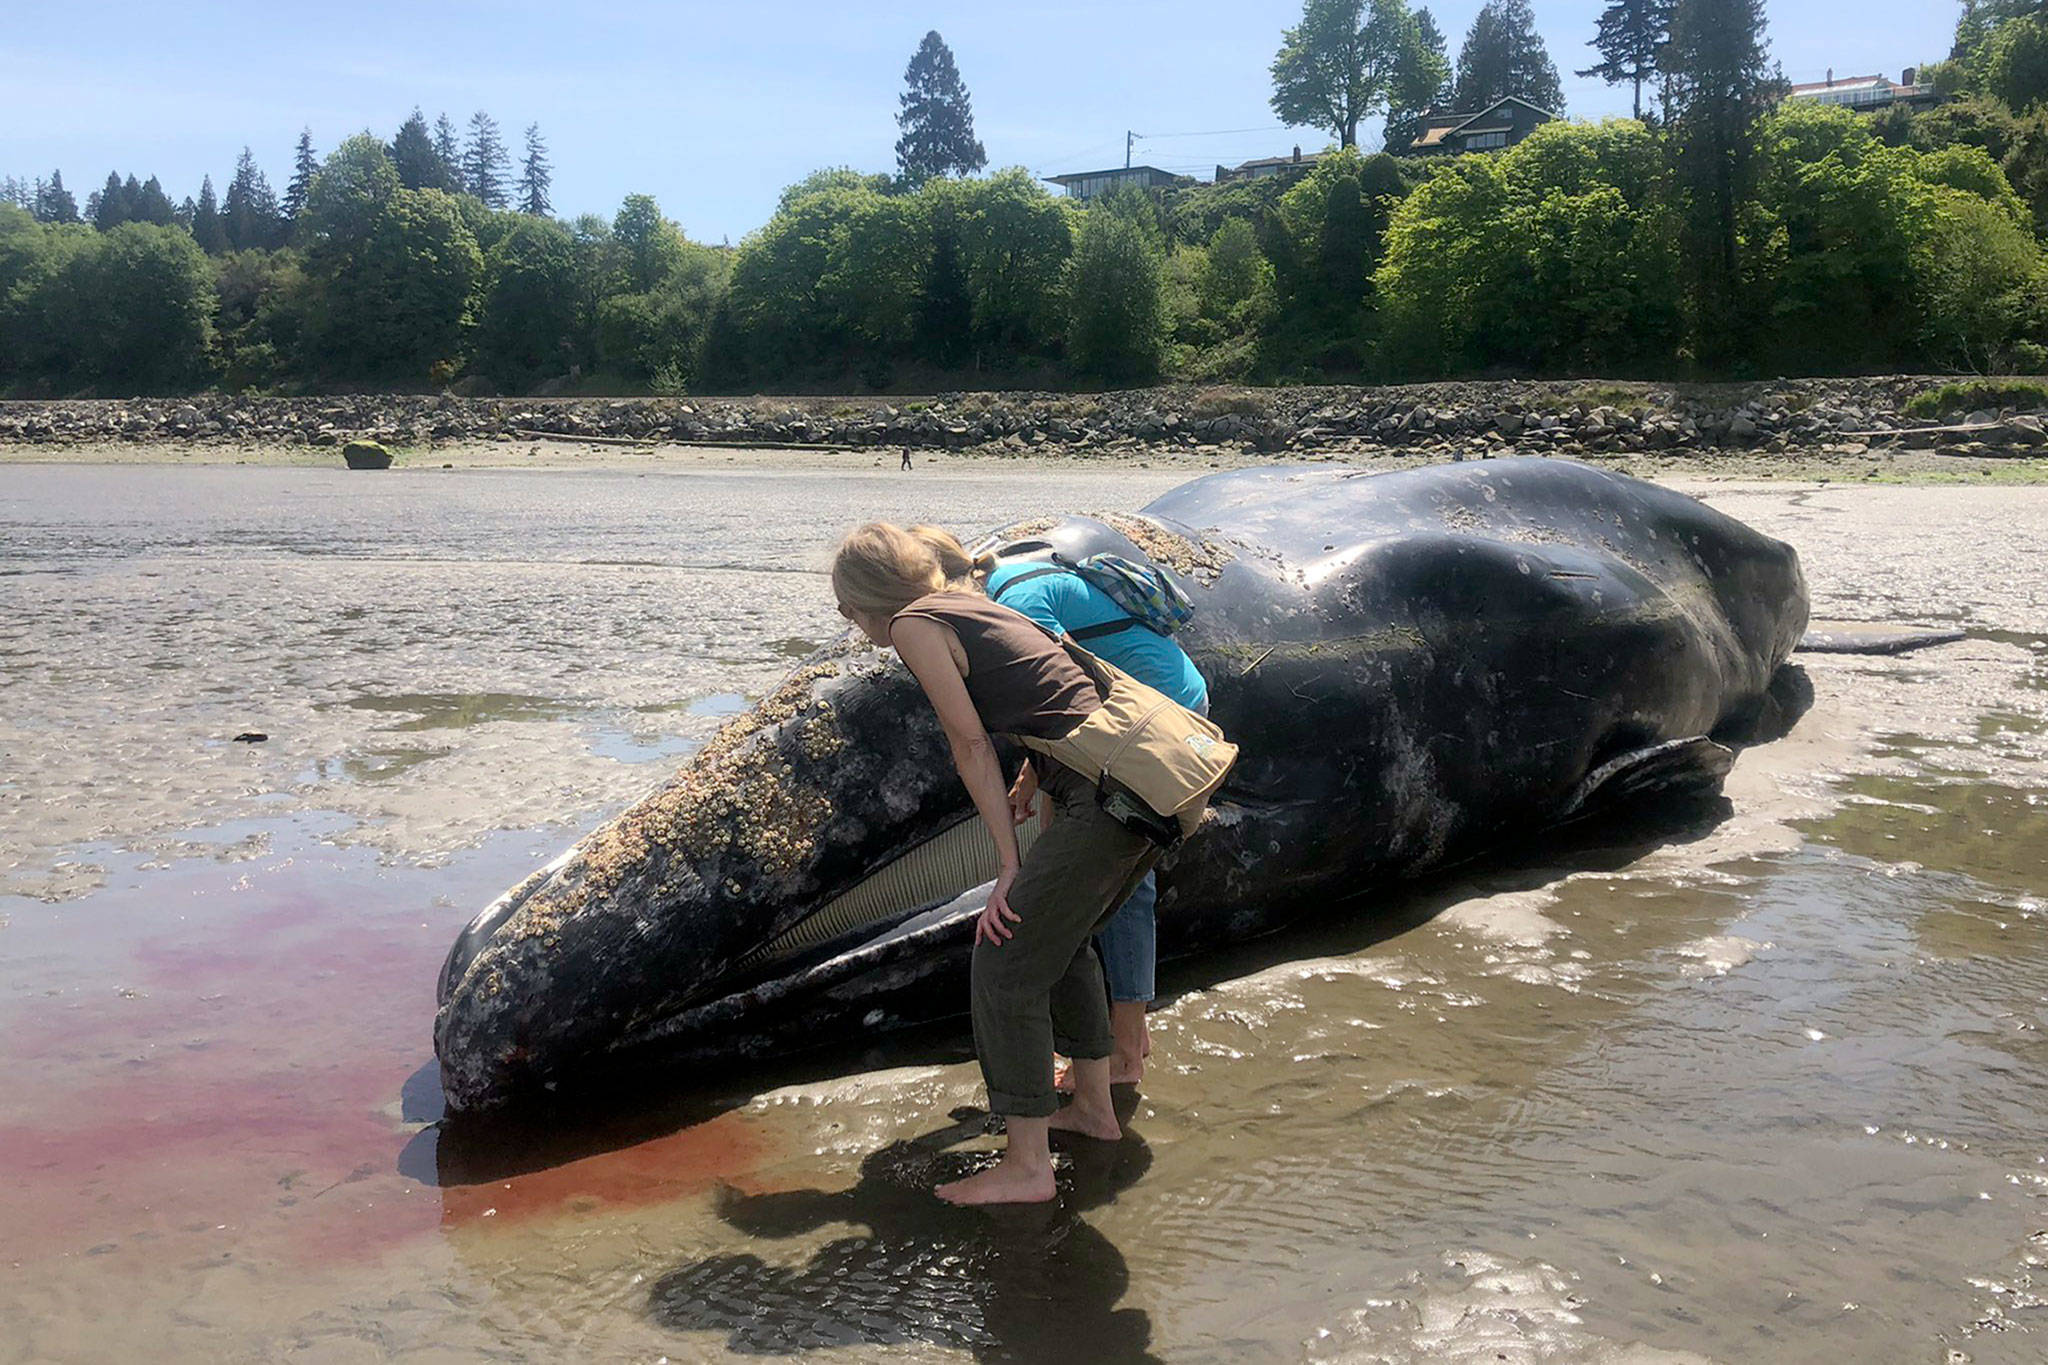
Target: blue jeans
1129 944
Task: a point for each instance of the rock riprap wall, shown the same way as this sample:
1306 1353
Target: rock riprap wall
1560 417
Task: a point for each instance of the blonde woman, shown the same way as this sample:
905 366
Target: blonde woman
1037 984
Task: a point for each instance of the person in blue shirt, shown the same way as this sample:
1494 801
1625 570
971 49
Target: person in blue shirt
1067 604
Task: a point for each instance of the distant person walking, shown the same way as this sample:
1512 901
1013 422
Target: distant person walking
906 457
1065 603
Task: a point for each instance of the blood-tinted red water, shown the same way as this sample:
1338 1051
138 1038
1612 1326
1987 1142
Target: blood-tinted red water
228 1052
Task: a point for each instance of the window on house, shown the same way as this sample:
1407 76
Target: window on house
1479 142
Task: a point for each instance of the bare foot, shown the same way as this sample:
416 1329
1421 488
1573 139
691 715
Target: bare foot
1087 1122
1006 1182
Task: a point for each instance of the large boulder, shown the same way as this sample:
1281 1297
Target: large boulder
366 455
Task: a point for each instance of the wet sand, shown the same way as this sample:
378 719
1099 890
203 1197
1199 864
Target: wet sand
1759 1086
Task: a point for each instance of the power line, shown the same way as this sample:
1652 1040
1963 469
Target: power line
1213 132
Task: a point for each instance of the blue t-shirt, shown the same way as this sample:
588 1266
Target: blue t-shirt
1066 602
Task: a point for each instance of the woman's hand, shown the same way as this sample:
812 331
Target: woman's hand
1024 795
991 926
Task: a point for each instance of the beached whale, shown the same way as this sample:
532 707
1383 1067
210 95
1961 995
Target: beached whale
1418 666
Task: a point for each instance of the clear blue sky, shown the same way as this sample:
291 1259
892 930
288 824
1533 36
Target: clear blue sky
713 108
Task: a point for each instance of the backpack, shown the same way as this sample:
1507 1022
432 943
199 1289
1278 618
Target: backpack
1148 597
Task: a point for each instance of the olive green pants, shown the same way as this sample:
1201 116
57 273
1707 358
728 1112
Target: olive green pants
1041 988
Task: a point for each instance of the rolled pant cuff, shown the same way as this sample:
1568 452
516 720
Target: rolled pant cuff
1088 1050
1023 1106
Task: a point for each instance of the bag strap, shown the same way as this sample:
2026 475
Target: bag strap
997 595
1096 632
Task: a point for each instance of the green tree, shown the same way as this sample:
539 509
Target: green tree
1117 329
304 168
417 160
109 207
249 215
149 204
1719 81
1979 21
535 175
945 318
1627 37
1504 55
54 203
259 316
529 319
2015 63
1234 271
483 161
875 271
1345 61
138 299
449 148
936 118
207 228
649 246
346 199
398 303
1015 240
1420 86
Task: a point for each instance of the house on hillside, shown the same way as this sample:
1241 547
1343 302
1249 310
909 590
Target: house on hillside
1266 166
1086 185
1867 94
1501 124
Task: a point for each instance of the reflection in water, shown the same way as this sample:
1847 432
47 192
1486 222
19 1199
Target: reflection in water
1014 1283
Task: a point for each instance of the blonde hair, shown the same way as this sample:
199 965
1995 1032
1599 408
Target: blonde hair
882 568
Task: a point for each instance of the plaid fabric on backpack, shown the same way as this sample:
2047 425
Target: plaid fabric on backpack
1146 595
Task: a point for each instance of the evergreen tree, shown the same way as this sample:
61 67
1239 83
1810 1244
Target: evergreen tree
17 192
150 204
1345 61
109 208
1627 39
450 151
419 162
1424 84
936 118
483 163
304 168
54 203
207 229
1719 81
535 175
249 213
1504 55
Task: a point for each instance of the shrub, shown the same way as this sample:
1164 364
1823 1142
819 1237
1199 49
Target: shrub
1967 396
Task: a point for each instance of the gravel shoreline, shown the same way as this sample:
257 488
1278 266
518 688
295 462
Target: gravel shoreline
1835 419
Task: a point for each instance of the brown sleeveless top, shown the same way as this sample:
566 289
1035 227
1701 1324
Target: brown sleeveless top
1021 680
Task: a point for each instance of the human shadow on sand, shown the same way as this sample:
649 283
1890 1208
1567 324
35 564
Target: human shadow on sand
1018 1282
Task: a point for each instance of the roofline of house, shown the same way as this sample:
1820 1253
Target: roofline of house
1113 170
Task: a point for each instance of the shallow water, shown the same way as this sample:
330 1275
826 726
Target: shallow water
1759 1082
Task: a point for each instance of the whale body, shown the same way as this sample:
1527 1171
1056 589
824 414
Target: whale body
1417 666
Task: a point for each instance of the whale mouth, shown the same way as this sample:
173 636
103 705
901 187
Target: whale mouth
958 859
931 875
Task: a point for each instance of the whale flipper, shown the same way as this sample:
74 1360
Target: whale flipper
1677 767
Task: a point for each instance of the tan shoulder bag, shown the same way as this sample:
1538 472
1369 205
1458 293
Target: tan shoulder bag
1154 762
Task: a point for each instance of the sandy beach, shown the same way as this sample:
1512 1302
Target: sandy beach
1760 1088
